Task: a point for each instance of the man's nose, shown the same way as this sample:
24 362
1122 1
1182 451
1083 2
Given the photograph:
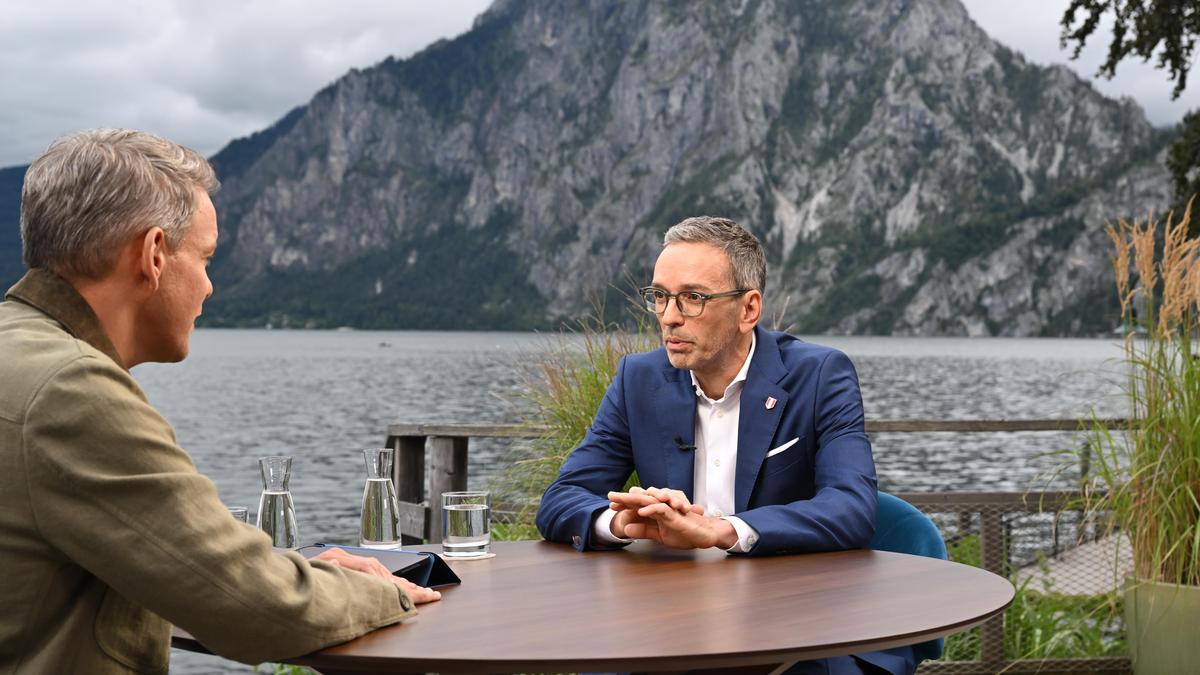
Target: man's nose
671 316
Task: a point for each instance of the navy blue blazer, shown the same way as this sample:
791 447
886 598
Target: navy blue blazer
817 495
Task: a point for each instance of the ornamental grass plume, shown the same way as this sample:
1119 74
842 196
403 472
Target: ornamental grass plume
1120 260
1178 263
1147 475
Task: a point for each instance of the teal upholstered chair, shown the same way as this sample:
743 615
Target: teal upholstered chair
901 528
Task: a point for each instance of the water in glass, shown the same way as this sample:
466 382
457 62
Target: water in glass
465 524
240 513
380 520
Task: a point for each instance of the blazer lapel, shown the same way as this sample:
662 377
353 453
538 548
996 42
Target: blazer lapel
758 417
675 407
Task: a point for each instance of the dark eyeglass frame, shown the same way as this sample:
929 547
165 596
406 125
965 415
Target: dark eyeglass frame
651 296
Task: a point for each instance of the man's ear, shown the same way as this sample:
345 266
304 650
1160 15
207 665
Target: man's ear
153 258
751 310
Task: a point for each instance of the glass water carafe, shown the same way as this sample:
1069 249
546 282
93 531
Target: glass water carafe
380 526
276 514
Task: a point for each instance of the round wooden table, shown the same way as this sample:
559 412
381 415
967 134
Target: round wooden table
541 607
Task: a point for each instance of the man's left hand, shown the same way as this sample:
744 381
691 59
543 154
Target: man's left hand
672 523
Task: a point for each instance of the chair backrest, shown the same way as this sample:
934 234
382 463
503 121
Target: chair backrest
901 528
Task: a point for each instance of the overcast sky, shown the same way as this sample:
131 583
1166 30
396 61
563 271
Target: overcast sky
203 73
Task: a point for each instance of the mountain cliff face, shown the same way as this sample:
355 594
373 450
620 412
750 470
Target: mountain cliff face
906 173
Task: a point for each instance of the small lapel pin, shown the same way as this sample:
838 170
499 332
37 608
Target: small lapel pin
770 402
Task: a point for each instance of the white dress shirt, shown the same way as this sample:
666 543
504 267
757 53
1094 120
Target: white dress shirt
715 464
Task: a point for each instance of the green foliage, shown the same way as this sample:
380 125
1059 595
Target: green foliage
1165 29
1182 161
564 389
983 223
1042 623
1061 233
855 115
966 550
845 298
695 196
512 528
1023 83
798 112
452 278
241 153
1162 29
1093 313
449 73
857 288
283 669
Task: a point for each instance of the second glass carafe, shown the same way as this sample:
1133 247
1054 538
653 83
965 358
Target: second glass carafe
380 520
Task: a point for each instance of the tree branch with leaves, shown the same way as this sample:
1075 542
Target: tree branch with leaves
1164 30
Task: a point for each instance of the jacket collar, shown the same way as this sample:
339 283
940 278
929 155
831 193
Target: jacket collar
55 297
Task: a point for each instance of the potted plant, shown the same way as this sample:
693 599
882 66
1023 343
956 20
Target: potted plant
1146 476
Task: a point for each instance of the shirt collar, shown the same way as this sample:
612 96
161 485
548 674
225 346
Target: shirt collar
57 298
737 379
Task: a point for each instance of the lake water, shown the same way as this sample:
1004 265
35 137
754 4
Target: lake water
323 396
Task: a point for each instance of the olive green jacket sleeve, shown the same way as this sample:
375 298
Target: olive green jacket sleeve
109 487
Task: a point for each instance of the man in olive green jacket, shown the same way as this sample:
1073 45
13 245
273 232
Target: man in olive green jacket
107 531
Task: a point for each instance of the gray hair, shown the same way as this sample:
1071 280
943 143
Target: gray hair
745 253
91 191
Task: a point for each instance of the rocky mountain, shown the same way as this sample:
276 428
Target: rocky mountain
907 173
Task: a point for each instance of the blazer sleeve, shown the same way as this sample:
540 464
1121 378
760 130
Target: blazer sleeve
112 491
841 513
600 464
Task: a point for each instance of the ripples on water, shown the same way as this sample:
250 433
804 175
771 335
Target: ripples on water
323 396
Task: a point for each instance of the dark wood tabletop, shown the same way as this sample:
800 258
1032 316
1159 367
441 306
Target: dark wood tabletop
541 607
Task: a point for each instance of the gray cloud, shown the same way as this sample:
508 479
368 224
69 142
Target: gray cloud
203 73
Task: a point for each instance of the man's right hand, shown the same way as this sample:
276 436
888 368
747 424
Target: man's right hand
626 504
339 558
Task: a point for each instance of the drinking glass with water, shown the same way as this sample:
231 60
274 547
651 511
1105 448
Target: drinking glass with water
240 513
466 524
380 519
276 514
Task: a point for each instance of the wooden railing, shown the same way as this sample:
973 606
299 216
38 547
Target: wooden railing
419 487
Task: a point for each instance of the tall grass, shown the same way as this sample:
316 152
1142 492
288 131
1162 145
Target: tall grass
564 388
1148 474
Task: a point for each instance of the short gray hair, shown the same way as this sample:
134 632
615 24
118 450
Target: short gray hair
91 191
745 253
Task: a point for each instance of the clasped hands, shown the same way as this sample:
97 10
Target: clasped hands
668 517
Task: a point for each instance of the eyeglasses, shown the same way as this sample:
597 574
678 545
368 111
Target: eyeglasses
690 303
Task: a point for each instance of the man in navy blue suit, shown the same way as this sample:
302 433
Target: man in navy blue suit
747 440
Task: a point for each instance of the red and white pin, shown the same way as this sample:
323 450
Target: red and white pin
770 403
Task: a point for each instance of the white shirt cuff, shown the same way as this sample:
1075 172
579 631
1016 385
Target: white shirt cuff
747 536
602 530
